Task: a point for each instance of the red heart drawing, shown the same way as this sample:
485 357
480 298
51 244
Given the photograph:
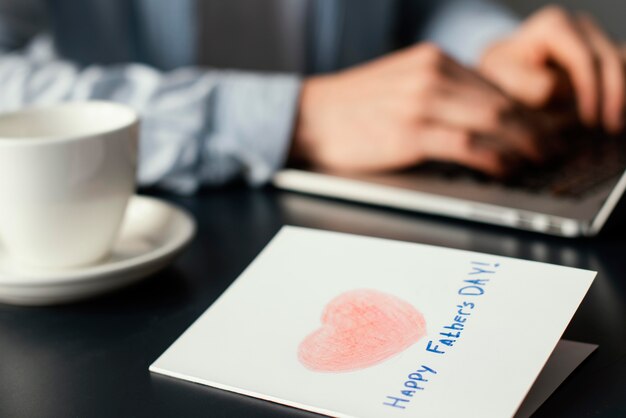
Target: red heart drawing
361 328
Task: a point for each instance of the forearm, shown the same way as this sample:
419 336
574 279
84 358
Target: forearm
198 126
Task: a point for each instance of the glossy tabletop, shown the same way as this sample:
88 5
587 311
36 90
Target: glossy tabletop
91 359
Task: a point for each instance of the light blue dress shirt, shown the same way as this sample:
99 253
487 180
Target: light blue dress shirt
203 125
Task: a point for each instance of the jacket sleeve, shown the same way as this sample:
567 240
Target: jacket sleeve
199 126
464 28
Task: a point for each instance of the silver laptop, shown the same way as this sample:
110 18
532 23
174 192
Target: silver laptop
577 195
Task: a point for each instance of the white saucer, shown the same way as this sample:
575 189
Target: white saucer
152 234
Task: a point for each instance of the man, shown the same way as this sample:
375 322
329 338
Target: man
238 87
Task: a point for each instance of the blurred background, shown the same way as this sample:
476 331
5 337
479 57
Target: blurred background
610 13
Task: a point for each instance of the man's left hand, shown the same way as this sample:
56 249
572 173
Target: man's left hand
551 44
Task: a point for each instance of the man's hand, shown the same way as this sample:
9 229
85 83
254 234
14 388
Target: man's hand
530 66
408 107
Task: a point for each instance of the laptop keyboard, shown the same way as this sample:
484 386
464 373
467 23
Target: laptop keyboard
582 171
588 165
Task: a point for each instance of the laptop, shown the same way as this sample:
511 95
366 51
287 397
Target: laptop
577 195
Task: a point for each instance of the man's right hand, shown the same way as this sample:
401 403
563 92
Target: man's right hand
409 107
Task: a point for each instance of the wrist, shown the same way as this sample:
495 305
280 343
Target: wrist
304 137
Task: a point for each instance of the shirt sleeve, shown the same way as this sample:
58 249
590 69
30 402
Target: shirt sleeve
198 126
464 28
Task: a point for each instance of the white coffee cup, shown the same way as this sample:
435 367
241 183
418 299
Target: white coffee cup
67 172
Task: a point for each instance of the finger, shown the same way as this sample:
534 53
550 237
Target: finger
559 40
470 109
465 100
611 74
530 84
533 86
477 89
439 143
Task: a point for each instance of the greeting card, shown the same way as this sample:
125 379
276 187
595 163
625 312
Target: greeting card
352 326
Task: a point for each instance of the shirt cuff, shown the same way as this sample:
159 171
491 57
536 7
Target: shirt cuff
256 119
464 29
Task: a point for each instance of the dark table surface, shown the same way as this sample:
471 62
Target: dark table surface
91 359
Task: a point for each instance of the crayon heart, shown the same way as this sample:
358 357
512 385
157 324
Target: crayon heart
361 328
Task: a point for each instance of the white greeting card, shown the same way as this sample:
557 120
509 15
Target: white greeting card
353 326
